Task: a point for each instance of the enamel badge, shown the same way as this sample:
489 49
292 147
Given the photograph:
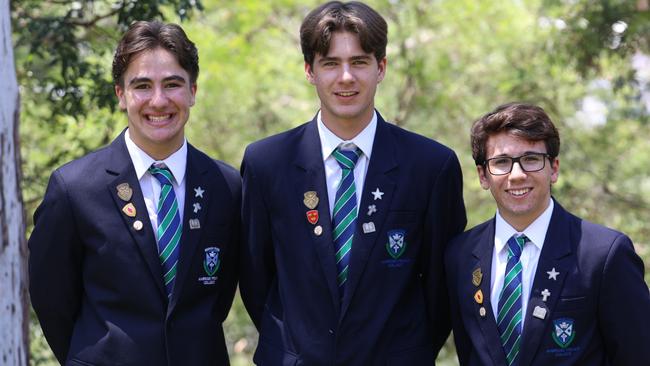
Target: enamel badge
310 199
129 210
312 216
478 296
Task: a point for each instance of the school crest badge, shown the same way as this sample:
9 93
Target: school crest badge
563 332
211 262
396 244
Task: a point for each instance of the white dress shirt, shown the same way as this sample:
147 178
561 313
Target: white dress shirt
149 185
329 142
536 232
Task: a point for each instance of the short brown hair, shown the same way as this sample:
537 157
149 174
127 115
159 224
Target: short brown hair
335 16
145 36
525 121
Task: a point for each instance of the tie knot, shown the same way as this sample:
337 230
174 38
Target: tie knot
162 173
516 245
347 159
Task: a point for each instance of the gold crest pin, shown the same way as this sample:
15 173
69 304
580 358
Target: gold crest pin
311 199
129 210
477 276
124 191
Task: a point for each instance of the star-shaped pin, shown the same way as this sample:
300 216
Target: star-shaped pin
372 209
545 294
377 194
198 192
197 207
552 274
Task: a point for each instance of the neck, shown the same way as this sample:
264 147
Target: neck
160 153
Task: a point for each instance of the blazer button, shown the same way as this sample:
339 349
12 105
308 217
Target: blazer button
331 331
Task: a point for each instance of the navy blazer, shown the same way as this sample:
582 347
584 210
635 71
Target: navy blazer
598 311
96 281
395 309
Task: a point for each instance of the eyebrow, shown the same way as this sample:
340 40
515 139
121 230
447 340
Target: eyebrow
524 153
148 80
353 58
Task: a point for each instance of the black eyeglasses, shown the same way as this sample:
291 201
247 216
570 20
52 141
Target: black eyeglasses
531 162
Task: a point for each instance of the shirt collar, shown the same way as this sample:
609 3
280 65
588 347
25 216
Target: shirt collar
176 162
364 140
536 231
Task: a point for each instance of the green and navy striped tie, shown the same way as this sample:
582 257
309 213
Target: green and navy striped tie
345 213
169 226
509 318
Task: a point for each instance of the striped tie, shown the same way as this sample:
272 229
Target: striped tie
345 213
169 226
509 319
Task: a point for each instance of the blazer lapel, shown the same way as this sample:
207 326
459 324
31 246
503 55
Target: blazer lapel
136 217
555 257
383 161
487 323
310 177
196 206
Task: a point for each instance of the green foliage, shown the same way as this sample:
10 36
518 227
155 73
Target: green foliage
449 62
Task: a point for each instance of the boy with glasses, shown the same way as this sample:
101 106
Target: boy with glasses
536 285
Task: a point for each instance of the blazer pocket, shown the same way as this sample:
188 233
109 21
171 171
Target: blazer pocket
571 302
421 355
402 217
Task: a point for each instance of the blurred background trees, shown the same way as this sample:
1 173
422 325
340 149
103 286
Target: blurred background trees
587 62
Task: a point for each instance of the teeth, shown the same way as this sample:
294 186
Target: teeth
159 118
347 94
519 192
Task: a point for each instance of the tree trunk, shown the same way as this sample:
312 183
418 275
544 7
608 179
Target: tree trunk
14 309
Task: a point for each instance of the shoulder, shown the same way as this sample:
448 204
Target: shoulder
591 238
85 169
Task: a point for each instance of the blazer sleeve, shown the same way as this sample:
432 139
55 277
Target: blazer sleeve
55 262
257 256
445 219
624 308
229 276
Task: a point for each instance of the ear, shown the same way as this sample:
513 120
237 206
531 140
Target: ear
482 177
555 170
382 69
119 92
309 73
193 91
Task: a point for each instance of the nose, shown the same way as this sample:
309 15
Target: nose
346 73
158 97
517 172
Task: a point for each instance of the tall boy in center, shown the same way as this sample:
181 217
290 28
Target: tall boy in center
346 216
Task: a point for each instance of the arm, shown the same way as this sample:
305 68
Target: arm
445 219
55 267
257 258
624 306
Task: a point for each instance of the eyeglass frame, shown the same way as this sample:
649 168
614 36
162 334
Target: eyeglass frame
517 159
